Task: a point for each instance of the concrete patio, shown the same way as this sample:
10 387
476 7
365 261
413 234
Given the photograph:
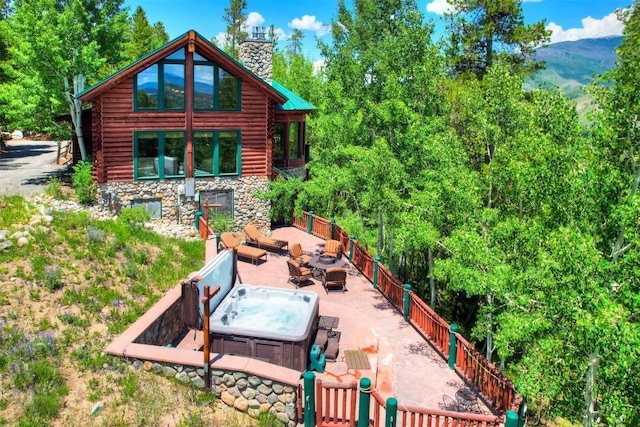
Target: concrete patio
402 363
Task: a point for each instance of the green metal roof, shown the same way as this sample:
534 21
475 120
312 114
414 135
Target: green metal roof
295 102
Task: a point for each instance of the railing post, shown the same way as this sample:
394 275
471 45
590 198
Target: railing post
351 239
198 215
511 420
310 223
392 412
365 399
376 268
333 228
407 300
453 346
309 399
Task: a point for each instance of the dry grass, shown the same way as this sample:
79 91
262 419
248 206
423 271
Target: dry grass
82 282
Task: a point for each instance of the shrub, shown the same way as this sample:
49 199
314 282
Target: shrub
82 182
54 189
134 217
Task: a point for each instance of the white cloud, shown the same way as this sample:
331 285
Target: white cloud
309 23
591 28
253 19
220 39
281 34
439 7
318 66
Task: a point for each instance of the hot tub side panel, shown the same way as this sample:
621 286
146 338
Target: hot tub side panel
290 354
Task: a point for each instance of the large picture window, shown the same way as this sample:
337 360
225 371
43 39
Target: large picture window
216 152
161 86
214 88
159 154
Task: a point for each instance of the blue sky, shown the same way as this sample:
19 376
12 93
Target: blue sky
568 19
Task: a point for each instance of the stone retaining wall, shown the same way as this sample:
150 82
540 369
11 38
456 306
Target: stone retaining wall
115 196
164 329
247 393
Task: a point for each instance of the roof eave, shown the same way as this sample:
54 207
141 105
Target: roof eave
155 56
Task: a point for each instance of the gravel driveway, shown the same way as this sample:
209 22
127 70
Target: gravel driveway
26 167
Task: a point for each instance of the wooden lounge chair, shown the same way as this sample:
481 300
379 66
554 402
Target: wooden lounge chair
296 252
333 248
334 279
255 237
230 242
298 274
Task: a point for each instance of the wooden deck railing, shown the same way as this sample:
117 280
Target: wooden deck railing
411 416
336 404
470 364
429 323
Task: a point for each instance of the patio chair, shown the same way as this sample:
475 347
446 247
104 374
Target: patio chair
298 274
255 237
333 248
254 254
450 404
296 252
334 279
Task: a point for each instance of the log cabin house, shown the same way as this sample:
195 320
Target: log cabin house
187 123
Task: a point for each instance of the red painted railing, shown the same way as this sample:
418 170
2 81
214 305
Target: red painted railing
336 404
429 323
492 383
410 416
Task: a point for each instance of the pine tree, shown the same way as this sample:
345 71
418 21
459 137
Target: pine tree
480 31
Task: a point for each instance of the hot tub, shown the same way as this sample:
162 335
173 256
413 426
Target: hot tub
271 324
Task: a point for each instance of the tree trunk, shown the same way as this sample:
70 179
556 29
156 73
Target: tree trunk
75 108
617 247
489 327
432 283
380 233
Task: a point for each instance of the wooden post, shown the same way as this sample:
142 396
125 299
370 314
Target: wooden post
206 299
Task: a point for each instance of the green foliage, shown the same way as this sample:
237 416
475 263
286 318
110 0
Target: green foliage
15 209
54 48
487 31
32 362
54 189
221 221
235 17
144 37
82 181
134 217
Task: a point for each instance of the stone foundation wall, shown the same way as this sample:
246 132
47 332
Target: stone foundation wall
247 393
179 208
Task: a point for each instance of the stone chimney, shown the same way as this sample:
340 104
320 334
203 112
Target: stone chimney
255 54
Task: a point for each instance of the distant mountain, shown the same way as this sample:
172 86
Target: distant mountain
571 65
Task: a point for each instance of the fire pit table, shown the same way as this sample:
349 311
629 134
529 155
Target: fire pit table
323 262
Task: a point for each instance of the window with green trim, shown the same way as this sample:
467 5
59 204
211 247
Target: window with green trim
159 154
294 140
213 87
279 138
161 86
217 152
288 142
